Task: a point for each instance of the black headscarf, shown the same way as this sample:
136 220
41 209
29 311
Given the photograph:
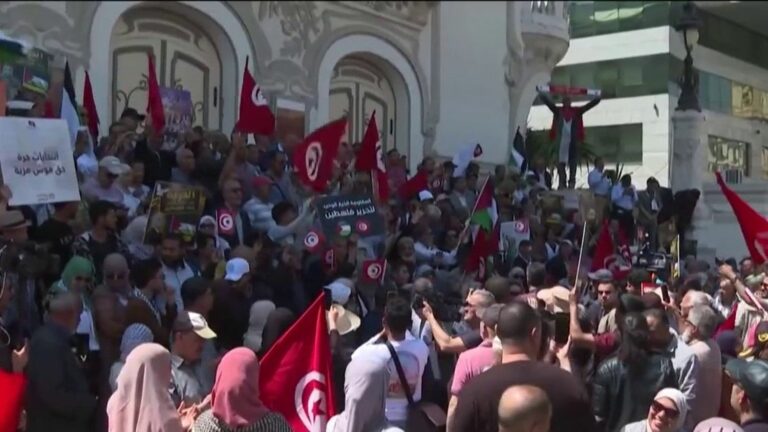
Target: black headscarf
277 323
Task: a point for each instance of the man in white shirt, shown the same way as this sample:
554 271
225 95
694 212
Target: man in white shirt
624 199
175 268
600 186
412 354
697 331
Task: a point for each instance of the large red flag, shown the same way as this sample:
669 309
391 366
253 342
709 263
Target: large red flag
255 115
154 99
371 159
11 400
313 159
485 244
89 103
607 255
295 374
753 225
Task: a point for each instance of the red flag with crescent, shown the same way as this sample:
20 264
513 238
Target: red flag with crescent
313 159
255 116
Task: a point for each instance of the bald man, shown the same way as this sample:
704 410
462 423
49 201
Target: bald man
524 408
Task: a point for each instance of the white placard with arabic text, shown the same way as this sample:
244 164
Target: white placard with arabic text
36 161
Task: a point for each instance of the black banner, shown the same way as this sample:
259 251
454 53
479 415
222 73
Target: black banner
348 214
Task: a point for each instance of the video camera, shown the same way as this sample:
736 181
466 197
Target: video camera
27 259
444 309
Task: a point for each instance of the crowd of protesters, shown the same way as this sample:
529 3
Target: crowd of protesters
115 334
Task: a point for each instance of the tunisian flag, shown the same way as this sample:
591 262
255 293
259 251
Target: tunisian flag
616 258
89 103
295 376
154 99
414 185
485 244
753 225
371 159
11 400
255 115
313 159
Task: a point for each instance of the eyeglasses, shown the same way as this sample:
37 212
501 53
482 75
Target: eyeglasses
669 412
119 276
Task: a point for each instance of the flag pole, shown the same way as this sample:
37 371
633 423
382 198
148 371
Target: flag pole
581 252
679 267
474 207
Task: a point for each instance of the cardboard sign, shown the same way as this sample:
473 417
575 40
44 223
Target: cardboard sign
37 162
348 214
174 209
512 233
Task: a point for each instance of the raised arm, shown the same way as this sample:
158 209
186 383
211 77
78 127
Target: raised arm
591 104
547 101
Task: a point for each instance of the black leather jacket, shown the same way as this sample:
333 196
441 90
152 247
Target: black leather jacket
621 396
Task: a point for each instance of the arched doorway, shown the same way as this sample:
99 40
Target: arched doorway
387 82
186 58
358 89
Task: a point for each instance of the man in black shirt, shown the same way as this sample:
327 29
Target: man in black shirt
157 162
57 233
519 328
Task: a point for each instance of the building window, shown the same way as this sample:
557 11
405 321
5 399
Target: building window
592 18
627 77
741 43
727 155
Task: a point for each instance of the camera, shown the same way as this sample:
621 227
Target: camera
27 259
445 310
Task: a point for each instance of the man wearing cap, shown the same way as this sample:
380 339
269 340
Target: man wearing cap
232 304
103 187
749 396
190 331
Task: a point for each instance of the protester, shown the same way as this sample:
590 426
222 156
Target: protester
142 305
134 335
698 329
58 394
476 304
142 400
260 311
524 408
667 413
749 396
190 331
235 403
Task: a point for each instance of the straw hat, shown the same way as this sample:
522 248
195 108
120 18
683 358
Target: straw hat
347 321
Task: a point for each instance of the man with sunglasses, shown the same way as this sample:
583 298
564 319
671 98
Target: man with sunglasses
103 186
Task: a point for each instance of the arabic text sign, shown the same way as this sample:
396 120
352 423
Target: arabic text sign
36 161
174 208
347 214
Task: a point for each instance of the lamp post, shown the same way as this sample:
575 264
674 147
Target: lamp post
688 25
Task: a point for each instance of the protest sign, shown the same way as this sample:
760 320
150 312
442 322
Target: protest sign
347 214
18 72
177 106
512 233
174 208
36 161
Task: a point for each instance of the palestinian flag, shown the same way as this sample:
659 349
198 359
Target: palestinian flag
484 213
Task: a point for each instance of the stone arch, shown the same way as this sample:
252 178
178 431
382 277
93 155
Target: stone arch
399 71
225 28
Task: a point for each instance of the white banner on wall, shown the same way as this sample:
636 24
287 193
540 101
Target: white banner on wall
36 161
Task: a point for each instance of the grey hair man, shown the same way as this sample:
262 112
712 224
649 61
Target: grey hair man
524 408
476 303
693 298
697 332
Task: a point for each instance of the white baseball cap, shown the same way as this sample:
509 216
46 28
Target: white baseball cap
113 165
193 321
340 290
426 195
236 268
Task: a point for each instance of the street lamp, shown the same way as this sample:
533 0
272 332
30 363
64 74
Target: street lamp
688 25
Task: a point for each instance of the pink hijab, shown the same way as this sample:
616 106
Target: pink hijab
235 395
142 401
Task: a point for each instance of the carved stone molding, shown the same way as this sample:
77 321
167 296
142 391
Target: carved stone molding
416 12
61 30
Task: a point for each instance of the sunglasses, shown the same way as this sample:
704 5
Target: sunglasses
669 412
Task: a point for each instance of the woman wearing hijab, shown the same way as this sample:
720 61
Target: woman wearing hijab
235 403
133 237
365 390
142 401
258 320
278 322
134 335
667 413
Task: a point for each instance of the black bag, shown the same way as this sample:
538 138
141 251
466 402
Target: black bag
422 416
